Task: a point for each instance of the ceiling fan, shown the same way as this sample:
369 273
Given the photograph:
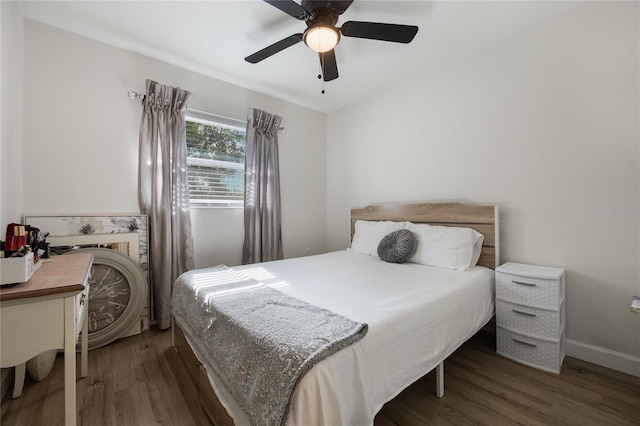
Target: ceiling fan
322 35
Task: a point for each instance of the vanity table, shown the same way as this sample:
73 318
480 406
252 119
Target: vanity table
47 312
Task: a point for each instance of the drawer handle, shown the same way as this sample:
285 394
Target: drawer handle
524 343
523 283
524 313
82 299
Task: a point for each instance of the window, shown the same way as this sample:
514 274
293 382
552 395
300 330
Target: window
215 159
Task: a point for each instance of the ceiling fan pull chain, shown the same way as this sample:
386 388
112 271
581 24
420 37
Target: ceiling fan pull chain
322 72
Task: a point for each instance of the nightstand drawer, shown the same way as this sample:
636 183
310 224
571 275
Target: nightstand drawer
539 292
544 354
530 320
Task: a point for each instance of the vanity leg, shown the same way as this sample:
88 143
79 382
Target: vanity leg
69 362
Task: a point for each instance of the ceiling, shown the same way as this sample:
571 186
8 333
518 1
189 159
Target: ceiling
214 37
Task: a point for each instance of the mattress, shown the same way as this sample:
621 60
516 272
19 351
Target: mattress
417 316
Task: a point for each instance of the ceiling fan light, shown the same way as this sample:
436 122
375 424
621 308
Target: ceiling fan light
321 38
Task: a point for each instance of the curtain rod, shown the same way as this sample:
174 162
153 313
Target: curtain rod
132 94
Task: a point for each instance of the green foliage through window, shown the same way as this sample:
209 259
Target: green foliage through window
215 156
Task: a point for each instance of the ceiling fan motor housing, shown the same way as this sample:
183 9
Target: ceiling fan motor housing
313 5
322 17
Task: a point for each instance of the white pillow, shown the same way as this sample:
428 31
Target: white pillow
477 250
446 247
368 235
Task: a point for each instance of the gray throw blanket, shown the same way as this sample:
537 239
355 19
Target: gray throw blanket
257 340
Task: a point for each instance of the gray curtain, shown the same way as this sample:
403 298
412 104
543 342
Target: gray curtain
163 192
262 229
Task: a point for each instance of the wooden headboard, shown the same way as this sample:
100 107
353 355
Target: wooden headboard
483 219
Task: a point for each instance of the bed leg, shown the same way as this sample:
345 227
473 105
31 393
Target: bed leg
173 332
440 380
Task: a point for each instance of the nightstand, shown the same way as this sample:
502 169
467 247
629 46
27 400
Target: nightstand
530 315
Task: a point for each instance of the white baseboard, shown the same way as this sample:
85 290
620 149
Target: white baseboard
605 357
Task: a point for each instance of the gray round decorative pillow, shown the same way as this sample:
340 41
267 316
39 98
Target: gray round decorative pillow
398 246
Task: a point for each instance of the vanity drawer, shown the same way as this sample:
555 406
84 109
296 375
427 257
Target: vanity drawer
82 300
530 320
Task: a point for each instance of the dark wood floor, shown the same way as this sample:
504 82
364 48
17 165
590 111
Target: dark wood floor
141 381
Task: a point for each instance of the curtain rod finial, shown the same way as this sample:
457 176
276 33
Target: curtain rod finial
134 95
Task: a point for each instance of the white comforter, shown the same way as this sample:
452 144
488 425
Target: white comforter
417 316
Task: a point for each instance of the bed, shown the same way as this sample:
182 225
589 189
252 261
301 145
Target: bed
415 315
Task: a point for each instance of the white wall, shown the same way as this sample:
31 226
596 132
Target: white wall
544 124
10 115
81 140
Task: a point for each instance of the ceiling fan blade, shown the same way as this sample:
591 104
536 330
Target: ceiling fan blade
274 48
377 31
289 7
340 6
328 65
